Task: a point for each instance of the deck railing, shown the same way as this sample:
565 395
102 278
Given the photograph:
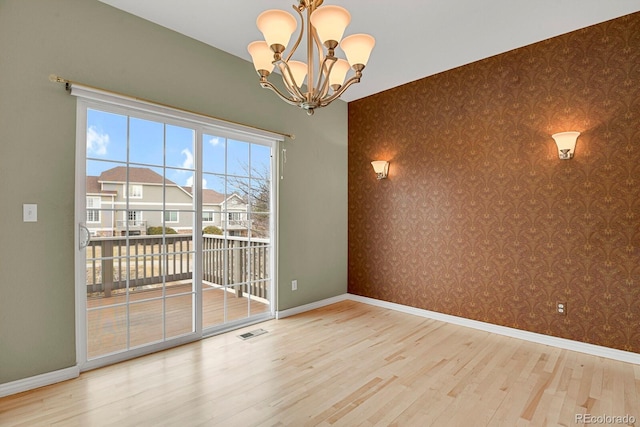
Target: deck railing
132 226
239 263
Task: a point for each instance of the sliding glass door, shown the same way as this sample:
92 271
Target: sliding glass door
175 221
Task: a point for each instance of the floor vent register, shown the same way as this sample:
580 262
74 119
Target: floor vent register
251 334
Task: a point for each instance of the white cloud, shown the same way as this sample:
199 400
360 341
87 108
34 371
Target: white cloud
188 164
188 161
97 142
215 140
189 182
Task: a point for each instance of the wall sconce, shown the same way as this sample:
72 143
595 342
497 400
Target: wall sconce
566 142
381 167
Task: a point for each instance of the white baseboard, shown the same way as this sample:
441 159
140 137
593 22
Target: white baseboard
594 350
41 380
311 306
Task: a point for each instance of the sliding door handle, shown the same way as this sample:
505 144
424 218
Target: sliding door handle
84 236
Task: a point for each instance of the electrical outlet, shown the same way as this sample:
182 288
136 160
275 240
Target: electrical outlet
294 285
561 308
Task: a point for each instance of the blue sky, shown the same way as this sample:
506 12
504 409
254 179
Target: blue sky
108 140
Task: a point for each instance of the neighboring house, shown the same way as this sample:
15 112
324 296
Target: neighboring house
108 215
100 222
234 208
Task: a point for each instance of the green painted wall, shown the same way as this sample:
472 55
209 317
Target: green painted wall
89 42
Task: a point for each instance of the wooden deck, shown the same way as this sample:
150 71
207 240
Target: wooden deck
107 320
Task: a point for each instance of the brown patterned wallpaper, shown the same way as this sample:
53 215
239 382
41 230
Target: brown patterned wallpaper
479 218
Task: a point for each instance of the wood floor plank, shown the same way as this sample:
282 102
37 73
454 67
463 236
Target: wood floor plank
347 364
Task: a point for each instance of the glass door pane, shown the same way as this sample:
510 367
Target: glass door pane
141 215
236 275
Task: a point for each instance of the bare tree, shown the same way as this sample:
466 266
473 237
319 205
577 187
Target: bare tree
255 191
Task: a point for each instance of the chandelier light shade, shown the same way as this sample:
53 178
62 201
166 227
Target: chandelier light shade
326 74
330 23
566 142
340 69
358 48
262 55
298 72
276 26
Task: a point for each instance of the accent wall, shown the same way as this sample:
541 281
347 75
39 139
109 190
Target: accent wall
479 218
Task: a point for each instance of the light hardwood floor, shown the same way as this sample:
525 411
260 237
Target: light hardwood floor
348 364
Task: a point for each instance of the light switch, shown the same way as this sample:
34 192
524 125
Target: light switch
30 212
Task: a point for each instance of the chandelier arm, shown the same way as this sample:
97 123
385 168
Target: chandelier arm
319 45
323 78
293 89
295 46
336 95
317 93
310 88
268 85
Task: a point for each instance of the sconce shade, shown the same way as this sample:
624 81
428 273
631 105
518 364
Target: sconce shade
381 168
566 142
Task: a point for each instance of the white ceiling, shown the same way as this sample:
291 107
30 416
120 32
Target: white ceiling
414 39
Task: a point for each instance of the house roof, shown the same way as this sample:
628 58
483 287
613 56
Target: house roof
147 176
94 187
138 175
209 197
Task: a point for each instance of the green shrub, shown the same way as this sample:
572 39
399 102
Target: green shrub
212 229
158 230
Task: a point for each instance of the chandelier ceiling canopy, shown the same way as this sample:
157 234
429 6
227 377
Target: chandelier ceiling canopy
324 74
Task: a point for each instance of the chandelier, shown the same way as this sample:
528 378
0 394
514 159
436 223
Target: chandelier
325 26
